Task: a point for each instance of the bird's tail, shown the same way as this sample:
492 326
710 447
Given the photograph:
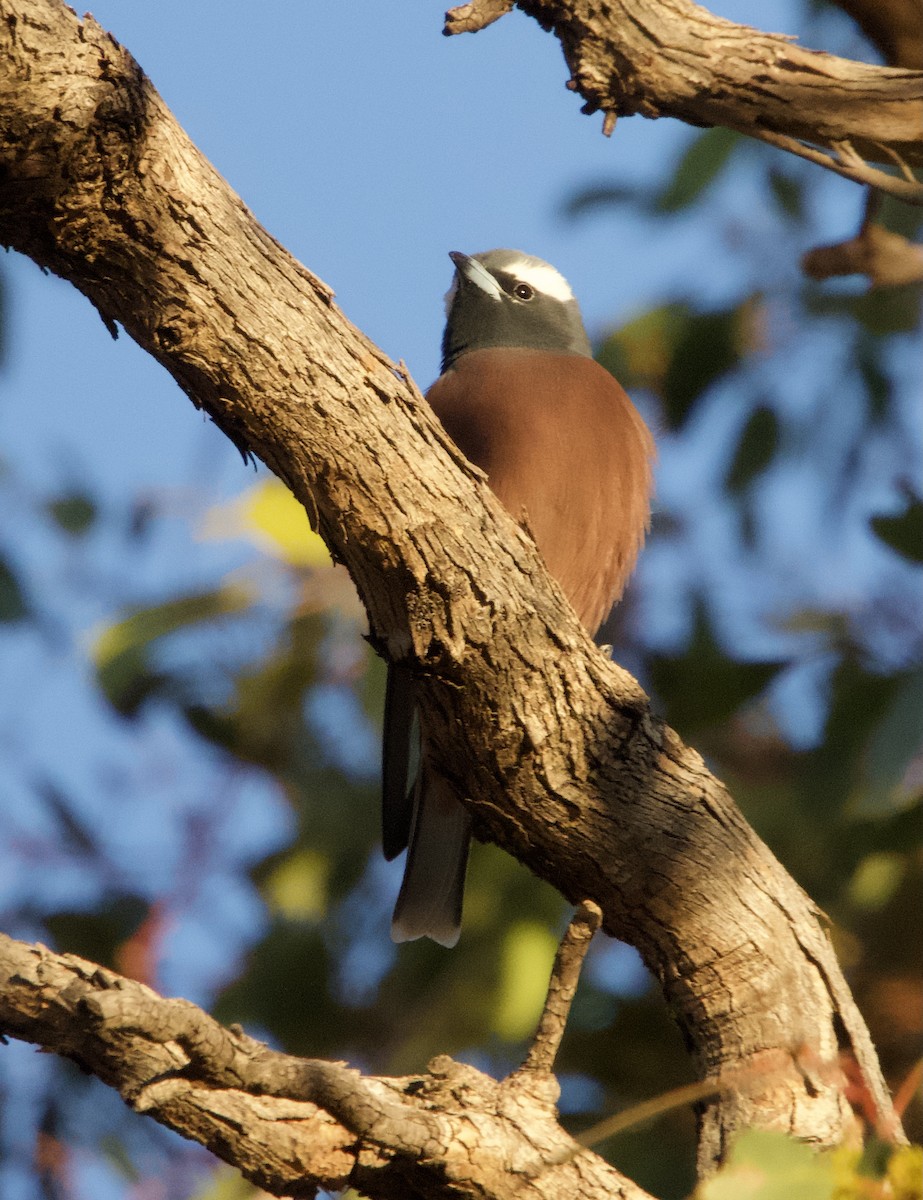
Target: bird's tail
430 900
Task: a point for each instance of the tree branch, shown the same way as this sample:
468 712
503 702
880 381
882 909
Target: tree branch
565 975
673 58
293 1125
552 746
469 18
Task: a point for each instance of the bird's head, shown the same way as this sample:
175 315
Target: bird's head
507 299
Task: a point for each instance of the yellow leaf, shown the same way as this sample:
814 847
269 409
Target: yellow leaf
528 950
876 879
270 517
905 1173
297 888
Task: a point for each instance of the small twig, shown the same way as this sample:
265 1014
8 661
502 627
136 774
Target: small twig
469 18
565 974
898 161
909 1088
638 1114
888 259
846 162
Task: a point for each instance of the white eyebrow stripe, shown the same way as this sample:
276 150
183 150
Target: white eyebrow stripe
542 276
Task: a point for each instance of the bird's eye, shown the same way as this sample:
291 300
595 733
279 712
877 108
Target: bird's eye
522 291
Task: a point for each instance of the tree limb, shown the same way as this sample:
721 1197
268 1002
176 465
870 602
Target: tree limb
294 1125
552 746
673 58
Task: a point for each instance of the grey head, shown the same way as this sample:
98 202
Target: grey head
507 299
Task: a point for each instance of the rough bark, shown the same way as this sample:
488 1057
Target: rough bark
674 58
294 1125
563 762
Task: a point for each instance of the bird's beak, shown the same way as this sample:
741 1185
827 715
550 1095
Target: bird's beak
470 271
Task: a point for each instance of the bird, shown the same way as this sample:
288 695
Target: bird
561 445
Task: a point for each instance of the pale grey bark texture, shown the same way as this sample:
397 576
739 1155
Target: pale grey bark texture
566 766
293 1125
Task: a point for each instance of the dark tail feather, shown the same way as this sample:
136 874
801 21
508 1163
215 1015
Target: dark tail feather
430 900
396 793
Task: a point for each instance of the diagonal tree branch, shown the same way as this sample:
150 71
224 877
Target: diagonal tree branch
673 58
553 747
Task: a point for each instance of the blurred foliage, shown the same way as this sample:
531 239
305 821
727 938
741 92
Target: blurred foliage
13 606
676 352
124 653
903 533
807 699
74 513
771 1166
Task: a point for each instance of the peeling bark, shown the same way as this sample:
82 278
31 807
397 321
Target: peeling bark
554 747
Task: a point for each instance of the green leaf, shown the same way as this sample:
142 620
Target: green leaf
638 353
876 879
838 768
74 514
756 449
905 1170
899 217
709 345
525 967
677 352
227 1183
878 386
697 169
287 977
602 195
13 606
263 723
788 195
904 534
296 886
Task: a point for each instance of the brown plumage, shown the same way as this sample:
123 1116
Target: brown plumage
583 482
565 450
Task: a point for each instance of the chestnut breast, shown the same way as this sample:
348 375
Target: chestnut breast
562 445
